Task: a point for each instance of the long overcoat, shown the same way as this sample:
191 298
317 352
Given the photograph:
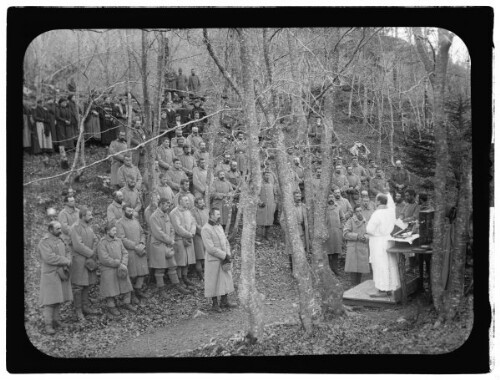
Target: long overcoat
217 281
174 177
114 212
219 198
357 251
265 215
132 234
53 255
116 161
199 181
83 243
125 172
67 217
162 241
132 198
201 218
64 131
334 222
184 226
165 157
111 254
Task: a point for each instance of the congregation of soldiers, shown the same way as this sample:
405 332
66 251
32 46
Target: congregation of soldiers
147 241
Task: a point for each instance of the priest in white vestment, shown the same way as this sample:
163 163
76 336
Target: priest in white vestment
379 228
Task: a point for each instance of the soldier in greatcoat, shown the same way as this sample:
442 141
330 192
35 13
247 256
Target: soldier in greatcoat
200 178
218 274
128 170
116 146
301 215
188 162
55 287
161 251
175 174
113 260
356 262
220 196
134 240
185 229
165 155
83 268
131 196
163 190
200 214
267 205
68 216
334 222
114 211
201 153
194 139
184 191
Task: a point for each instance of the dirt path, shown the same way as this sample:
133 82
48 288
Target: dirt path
194 332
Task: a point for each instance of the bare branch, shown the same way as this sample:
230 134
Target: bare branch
224 72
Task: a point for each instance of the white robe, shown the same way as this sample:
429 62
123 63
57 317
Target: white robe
385 265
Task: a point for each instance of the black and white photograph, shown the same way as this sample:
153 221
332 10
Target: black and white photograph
271 191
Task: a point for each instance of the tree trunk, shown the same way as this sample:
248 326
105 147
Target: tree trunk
455 292
380 116
437 77
330 288
301 270
391 129
127 86
300 120
250 297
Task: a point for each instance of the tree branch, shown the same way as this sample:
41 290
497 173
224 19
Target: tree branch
224 72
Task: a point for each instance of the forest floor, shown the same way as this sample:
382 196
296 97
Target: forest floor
175 325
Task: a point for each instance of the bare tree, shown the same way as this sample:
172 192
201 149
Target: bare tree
437 76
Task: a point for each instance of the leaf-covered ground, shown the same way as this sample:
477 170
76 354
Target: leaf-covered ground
175 325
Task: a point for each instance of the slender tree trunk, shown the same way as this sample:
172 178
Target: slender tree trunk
380 115
455 294
250 297
301 270
300 120
391 129
330 288
127 86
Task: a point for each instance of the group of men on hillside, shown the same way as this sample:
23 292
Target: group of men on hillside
178 229
49 124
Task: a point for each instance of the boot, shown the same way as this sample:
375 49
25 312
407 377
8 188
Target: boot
113 312
48 312
134 299
224 302
129 307
188 282
140 294
185 286
77 302
200 275
56 322
215 305
86 308
181 289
